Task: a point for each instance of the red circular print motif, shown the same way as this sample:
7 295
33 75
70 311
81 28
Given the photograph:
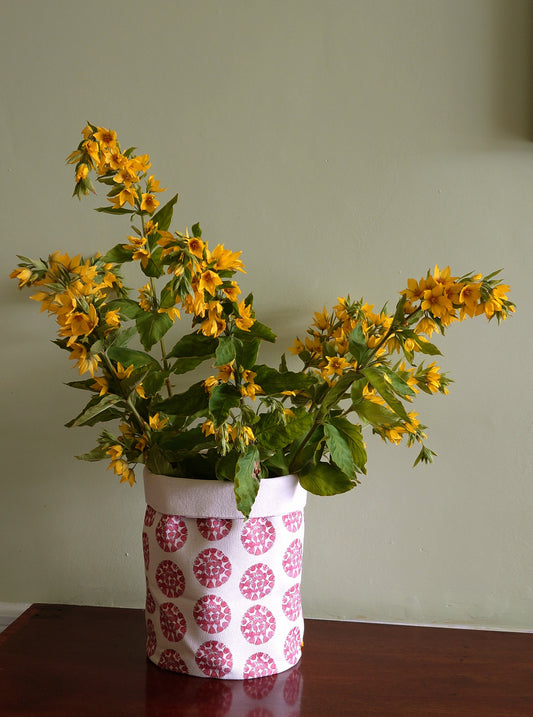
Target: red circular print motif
170 579
173 625
171 533
150 603
258 536
212 614
292 687
146 551
212 568
214 528
214 659
151 640
291 603
171 660
257 582
293 521
149 516
292 560
259 665
292 647
258 625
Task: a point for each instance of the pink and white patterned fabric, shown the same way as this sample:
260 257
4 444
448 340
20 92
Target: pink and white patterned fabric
223 593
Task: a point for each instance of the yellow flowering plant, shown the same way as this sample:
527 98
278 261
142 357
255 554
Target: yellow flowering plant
244 420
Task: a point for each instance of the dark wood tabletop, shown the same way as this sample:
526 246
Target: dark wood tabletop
89 661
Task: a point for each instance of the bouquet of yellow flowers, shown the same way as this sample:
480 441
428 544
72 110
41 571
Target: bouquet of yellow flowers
244 420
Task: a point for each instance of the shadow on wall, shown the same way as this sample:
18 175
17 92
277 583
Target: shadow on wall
513 67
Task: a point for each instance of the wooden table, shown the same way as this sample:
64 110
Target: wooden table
89 661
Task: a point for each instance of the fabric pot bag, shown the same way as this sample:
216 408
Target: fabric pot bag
222 592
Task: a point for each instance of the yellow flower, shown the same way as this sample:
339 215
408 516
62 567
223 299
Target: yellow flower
171 311
140 390
433 378
114 159
246 435
226 372
120 465
209 282
297 347
114 451
86 362
245 320
321 320
101 384
152 185
156 423
196 247
232 292
122 372
145 298
210 383
128 194
23 275
79 324
81 172
91 148
437 302
112 318
126 175
249 388
225 259
149 203
469 297
213 325
208 428
106 137
335 365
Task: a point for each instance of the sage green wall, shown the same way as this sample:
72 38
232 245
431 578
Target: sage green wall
344 147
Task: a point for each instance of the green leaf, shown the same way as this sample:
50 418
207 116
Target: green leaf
163 216
126 307
375 414
157 462
97 454
276 436
226 350
154 267
196 231
223 398
194 345
357 345
426 347
118 255
226 466
246 484
400 386
114 210
272 381
339 388
94 410
339 450
86 385
376 377
358 386
325 479
128 357
247 350
183 365
194 400
152 327
262 331
353 436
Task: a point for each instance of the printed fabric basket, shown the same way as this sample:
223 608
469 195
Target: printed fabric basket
222 592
